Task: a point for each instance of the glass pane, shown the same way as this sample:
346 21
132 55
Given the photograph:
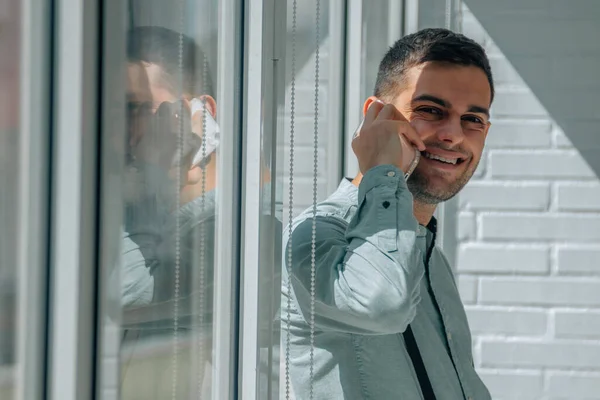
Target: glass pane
9 151
378 36
312 108
305 59
169 148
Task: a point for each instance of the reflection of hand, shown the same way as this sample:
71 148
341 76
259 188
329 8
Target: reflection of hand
385 137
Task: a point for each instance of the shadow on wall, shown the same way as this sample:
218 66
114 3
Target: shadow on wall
554 47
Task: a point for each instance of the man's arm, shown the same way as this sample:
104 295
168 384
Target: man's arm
368 275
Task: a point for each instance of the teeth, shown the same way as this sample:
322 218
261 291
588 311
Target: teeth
435 157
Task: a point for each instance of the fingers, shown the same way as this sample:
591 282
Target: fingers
390 112
411 135
380 112
373 111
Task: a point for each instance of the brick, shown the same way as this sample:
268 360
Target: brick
305 100
517 103
504 72
303 162
514 226
304 129
577 323
503 259
578 196
551 164
561 139
467 287
481 167
472 29
466 226
519 134
303 192
527 354
509 384
505 196
573 385
492 49
506 321
575 260
540 291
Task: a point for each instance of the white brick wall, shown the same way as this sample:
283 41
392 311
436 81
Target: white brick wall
529 249
304 135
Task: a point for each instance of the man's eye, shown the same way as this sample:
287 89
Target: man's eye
473 118
430 110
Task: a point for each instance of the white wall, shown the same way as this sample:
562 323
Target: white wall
304 126
529 238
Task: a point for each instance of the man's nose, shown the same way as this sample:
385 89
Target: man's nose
451 132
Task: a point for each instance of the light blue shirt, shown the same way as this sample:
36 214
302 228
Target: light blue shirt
371 281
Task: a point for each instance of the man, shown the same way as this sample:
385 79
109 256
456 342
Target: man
388 321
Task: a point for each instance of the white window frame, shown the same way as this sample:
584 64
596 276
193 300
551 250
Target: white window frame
34 191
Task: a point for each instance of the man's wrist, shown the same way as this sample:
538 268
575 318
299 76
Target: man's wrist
387 176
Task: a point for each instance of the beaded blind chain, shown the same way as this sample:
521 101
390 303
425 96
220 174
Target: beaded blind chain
291 200
314 217
180 141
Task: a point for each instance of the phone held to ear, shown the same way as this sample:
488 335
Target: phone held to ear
211 132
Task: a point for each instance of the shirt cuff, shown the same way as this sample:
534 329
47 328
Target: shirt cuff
385 176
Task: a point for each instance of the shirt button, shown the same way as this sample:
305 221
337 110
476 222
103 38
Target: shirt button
449 336
391 174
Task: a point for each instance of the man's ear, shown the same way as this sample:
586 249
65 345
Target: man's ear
368 103
211 105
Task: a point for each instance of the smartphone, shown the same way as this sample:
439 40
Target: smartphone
211 135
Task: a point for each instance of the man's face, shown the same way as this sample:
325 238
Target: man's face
448 107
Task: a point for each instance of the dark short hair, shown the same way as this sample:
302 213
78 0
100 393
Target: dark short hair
183 71
429 45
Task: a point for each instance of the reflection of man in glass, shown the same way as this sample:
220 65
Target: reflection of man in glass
183 107
388 322
171 201
184 256
137 284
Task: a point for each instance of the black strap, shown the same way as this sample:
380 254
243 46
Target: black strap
415 356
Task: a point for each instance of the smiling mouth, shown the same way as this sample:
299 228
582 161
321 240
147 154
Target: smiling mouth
445 160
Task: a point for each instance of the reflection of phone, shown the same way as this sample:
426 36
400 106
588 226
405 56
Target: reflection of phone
211 134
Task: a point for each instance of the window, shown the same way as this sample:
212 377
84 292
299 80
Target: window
170 181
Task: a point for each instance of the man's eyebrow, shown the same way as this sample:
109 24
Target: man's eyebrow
444 103
480 110
433 99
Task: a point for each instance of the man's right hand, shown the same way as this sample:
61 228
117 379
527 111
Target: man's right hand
385 137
